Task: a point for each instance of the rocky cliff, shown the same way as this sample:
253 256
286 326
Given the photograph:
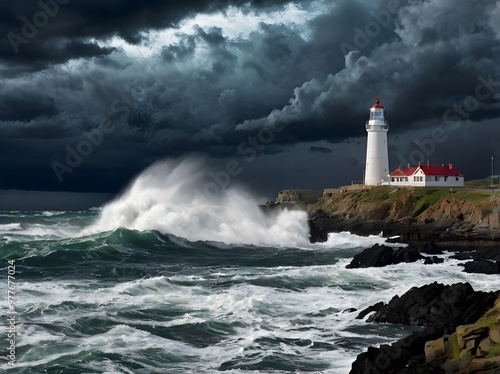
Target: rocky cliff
422 205
456 338
399 210
473 348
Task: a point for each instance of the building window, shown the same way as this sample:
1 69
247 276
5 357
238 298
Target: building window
392 179
456 179
436 178
445 179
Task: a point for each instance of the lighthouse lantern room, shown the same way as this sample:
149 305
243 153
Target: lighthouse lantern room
377 158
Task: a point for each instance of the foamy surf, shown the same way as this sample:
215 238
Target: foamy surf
166 197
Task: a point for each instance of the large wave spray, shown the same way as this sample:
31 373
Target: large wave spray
167 197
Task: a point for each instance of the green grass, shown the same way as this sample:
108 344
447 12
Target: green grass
482 183
423 198
427 197
376 195
472 196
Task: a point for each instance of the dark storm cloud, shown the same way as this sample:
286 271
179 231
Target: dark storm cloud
26 107
38 33
443 51
208 92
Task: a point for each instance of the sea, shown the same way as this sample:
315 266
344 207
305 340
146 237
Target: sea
164 279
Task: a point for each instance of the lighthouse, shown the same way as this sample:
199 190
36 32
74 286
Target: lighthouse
377 159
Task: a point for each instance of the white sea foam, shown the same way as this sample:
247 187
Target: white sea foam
259 311
52 213
167 197
10 227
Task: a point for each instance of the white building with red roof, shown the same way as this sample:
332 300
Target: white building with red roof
427 176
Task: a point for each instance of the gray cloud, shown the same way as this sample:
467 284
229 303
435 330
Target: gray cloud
207 92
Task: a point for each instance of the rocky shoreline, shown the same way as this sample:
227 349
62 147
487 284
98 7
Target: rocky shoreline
461 333
454 340
461 327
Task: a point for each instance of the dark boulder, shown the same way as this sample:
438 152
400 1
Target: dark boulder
433 260
430 248
436 305
463 256
440 307
376 256
382 255
486 253
482 267
373 308
393 359
409 254
317 234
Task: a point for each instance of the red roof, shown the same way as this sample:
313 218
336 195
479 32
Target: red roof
377 105
447 170
406 172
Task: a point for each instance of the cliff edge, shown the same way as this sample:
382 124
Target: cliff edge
418 213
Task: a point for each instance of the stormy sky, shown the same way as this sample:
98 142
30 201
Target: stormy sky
95 91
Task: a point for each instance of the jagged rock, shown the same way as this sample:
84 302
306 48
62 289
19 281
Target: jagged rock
469 333
492 254
373 308
316 234
349 310
393 358
408 254
463 256
444 308
376 256
436 304
482 267
434 350
430 248
484 347
494 335
433 260
381 255
484 366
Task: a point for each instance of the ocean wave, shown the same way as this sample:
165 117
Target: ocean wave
53 213
10 227
167 197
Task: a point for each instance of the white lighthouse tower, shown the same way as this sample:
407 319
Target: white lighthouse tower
377 158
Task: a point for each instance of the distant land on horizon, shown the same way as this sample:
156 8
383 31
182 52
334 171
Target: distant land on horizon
12 200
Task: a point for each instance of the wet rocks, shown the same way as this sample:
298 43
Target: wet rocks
436 304
482 267
381 255
373 308
442 308
433 260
